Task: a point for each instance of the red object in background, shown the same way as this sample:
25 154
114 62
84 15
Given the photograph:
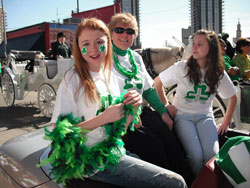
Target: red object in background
40 36
211 176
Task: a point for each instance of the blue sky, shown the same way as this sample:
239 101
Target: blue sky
160 19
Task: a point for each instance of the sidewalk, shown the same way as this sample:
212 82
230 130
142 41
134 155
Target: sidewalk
23 117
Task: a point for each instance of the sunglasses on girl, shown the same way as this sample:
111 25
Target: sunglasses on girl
120 30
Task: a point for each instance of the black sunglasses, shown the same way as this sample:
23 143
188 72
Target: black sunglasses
120 30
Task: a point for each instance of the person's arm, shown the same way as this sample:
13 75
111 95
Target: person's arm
160 90
69 52
152 98
111 114
239 63
54 50
223 127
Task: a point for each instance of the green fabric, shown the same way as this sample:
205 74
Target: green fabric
119 51
228 64
240 61
225 162
152 98
71 158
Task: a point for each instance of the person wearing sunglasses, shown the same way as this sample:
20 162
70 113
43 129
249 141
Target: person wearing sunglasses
152 139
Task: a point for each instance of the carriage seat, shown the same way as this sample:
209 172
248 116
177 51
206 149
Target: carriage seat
211 176
25 55
51 68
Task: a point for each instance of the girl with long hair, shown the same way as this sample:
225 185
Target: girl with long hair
198 79
88 91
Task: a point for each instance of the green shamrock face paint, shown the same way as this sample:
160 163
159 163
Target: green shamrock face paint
84 50
102 48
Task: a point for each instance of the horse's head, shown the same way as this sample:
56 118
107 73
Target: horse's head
162 58
158 59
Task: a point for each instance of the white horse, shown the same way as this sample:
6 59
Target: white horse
158 59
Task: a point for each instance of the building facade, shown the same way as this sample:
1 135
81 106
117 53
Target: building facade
185 33
238 32
207 14
132 7
40 36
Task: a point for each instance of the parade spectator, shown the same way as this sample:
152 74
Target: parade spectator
242 59
198 80
231 69
87 91
230 51
153 141
60 48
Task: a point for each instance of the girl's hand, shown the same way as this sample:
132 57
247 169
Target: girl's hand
132 97
130 119
167 120
171 110
139 124
222 128
114 113
233 71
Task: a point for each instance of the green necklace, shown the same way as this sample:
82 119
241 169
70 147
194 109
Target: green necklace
119 51
105 101
131 75
124 70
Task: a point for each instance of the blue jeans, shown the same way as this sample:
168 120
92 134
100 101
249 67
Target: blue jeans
134 172
198 135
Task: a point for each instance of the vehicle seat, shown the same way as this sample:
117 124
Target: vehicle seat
211 176
51 68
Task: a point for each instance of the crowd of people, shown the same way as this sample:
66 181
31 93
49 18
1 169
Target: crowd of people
166 145
236 60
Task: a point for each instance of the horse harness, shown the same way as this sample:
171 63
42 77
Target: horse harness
146 56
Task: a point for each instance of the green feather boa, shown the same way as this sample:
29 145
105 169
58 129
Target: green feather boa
71 158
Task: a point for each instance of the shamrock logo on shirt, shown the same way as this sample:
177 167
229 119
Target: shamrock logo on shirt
199 93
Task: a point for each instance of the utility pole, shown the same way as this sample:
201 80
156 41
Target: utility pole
77 10
4 31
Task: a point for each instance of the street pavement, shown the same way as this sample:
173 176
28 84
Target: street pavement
21 118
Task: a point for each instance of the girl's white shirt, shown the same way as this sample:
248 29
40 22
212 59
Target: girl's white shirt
190 99
68 101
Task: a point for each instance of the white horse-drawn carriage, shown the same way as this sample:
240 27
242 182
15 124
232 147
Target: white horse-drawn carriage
29 71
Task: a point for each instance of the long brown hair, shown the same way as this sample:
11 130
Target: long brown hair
81 66
214 63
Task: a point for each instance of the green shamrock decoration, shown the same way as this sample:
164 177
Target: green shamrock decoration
84 50
102 48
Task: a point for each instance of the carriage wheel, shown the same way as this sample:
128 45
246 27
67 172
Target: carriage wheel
46 99
8 90
219 107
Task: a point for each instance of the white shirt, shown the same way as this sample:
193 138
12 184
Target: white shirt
142 72
190 98
68 101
